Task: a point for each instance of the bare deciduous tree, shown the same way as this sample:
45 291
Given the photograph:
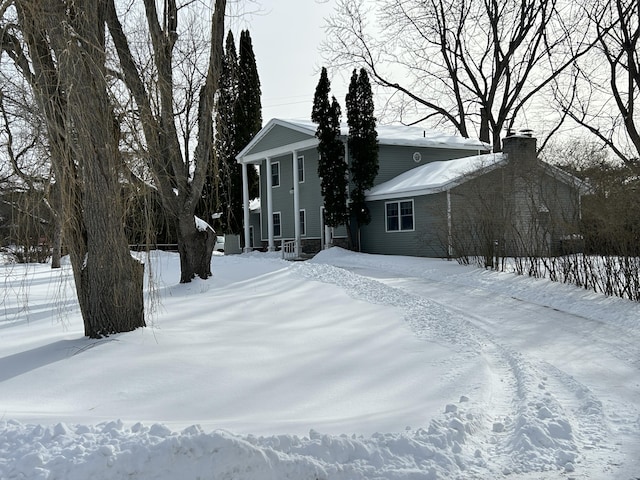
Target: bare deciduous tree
60 50
471 64
606 85
24 142
178 180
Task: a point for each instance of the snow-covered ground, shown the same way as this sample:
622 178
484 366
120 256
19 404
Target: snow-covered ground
347 366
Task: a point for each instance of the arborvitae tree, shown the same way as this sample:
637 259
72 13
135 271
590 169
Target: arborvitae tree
332 167
216 195
321 98
248 108
238 119
363 143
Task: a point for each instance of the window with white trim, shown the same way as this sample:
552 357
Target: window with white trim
399 216
303 222
275 174
301 169
277 226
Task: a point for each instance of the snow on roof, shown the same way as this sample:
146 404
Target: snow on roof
405 135
436 177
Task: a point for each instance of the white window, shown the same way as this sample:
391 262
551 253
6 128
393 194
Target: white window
399 216
301 169
303 223
277 226
275 174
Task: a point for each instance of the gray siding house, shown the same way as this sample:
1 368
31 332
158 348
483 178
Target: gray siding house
496 204
435 195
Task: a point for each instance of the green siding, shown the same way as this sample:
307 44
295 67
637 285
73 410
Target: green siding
277 137
426 240
282 200
254 221
394 160
524 212
309 190
309 195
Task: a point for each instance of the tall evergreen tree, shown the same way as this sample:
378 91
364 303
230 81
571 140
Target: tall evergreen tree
321 103
216 195
249 106
332 167
238 119
362 142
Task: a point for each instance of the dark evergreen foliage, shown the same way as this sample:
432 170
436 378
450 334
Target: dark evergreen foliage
218 185
249 106
362 142
238 119
332 167
321 103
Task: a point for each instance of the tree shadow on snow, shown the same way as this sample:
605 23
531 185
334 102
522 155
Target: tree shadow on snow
19 363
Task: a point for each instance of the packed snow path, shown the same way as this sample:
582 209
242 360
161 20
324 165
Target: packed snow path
564 381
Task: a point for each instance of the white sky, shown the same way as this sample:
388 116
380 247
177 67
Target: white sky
286 37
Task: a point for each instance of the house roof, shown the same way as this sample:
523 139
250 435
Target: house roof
405 135
440 176
556 172
436 177
387 135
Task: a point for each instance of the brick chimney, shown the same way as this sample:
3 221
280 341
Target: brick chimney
520 148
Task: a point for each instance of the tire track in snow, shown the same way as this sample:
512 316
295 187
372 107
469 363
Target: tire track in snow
588 413
567 408
529 436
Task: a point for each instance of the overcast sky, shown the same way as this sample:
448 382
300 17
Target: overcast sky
286 35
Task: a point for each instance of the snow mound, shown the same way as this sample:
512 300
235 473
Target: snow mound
110 450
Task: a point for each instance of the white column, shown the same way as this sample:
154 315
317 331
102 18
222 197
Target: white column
296 203
449 226
245 208
272 246
322 232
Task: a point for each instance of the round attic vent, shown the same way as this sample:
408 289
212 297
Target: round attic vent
417 157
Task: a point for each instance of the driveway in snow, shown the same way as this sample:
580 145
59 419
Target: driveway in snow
561 373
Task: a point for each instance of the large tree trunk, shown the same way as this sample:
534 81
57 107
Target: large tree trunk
171 170
196 248
111 280
112 296
83 135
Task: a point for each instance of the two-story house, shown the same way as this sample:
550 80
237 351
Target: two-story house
434 195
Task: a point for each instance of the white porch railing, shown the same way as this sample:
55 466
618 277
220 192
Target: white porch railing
288 250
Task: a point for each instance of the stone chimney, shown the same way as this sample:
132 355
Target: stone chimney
520 148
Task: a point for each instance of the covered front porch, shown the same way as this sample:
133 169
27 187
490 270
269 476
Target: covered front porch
272 170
